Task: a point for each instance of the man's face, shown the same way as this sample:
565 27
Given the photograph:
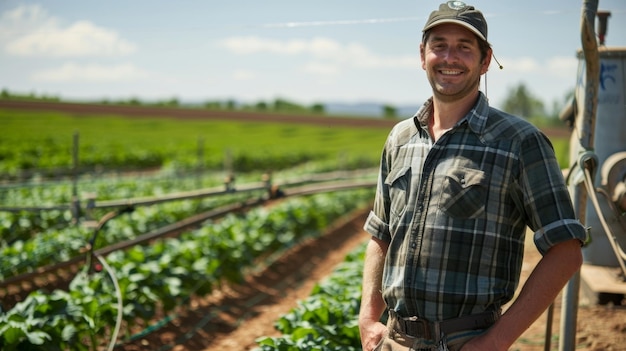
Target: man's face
451 58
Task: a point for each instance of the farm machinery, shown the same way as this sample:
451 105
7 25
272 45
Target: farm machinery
597 174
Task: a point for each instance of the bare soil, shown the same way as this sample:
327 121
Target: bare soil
598 327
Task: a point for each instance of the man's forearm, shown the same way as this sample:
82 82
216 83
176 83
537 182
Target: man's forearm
543 285
372 304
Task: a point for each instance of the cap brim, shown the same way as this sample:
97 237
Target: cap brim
455 21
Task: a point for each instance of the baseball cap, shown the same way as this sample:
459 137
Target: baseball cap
458 12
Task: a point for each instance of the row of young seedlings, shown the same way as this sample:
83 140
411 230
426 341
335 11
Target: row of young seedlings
146 281
327 320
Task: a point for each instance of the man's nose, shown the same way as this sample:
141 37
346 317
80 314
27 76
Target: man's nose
451 54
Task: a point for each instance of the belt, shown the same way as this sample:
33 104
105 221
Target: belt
422 328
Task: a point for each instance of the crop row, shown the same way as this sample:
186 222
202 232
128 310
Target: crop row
22 225
328 319
46 237
156 279
30 239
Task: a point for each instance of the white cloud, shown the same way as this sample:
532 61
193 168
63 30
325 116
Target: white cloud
324 47
243 75
321 68
24 19
557 66
562 66
348 55
252 45
31 31
519 64
92 72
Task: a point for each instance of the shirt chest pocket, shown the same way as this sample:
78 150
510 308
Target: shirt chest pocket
464 193
399 183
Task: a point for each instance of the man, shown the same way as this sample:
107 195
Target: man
459 184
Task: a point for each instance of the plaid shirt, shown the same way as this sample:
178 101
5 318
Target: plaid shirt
455 212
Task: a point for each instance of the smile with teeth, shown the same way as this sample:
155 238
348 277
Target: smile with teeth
450 72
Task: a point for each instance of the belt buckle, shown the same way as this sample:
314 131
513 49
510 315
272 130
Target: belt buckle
417 327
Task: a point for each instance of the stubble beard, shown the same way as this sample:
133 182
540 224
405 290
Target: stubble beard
450 92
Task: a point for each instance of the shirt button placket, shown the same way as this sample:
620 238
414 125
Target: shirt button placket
420 209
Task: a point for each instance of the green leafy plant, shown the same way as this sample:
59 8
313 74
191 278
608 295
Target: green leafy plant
328 319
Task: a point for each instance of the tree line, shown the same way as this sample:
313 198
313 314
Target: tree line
519 101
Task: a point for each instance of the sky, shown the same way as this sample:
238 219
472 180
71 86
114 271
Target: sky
323 51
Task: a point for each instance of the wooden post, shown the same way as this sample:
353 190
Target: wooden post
200 162
75 200
585 127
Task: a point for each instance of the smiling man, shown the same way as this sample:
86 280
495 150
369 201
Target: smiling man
459 184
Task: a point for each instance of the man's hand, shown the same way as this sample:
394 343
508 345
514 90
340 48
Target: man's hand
482 343
371 333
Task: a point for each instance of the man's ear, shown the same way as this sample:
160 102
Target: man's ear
422 59
486 62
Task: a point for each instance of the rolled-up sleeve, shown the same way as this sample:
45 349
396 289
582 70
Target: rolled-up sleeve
548 204
377 227
377 223
557 232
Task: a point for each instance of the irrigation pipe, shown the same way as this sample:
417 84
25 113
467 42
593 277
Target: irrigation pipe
621 255
120 305
185 195
165 320
158 233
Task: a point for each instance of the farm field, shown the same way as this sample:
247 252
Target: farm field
39 135
43 141
242 312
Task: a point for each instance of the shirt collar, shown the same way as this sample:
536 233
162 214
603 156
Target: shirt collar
476 118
